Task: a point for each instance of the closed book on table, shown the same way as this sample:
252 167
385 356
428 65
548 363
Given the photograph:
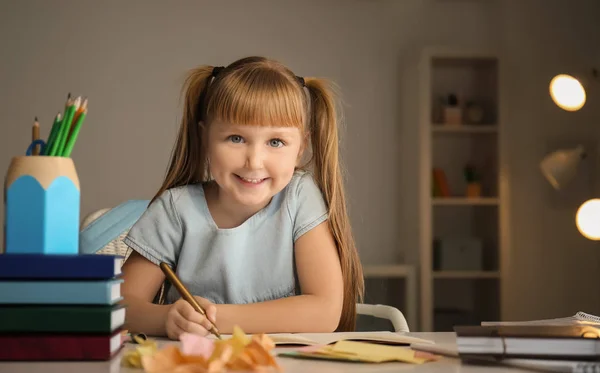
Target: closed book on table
61 319
59 266
32 347
99 292
530 341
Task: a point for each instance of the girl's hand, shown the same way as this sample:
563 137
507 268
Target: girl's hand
183 318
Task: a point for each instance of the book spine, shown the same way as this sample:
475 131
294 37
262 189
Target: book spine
60 347
34 266
45 319
58 292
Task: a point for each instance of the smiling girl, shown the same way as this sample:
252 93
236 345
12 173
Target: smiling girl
260 238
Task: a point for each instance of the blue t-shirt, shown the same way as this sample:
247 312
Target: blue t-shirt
250 263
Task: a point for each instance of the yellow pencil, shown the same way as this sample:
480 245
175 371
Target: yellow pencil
35 135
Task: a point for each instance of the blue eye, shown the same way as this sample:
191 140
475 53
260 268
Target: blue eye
276 143
236 139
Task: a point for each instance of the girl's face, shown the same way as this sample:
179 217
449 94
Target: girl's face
252 163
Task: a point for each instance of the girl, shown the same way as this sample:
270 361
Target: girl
258 240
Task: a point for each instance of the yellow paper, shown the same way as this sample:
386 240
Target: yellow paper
376 352
133 358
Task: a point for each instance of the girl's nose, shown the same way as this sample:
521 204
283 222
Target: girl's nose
254 158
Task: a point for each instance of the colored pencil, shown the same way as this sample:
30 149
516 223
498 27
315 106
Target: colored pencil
58 146
76 116
64 131
53 132
73 137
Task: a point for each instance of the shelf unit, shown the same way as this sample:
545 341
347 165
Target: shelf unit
463 234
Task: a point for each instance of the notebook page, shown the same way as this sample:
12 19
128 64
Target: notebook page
327 338
313 339
580 318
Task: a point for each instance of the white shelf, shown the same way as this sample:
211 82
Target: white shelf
465 201
464 128
471 75
466 274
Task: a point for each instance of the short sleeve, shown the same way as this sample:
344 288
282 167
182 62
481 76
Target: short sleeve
308 208
157 234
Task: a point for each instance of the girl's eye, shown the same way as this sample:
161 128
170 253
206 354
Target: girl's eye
235 139
276 143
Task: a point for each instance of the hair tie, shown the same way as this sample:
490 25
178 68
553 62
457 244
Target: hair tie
217 70
301 81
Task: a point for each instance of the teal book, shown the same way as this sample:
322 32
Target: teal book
54 319
99 292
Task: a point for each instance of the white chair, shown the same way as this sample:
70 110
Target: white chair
381 311
117 247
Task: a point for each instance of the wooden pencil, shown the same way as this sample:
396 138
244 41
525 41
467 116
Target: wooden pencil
185 294
35 135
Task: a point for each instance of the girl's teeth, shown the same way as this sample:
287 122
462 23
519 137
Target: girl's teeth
253 181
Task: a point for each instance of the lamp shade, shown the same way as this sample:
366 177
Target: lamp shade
588 219
560 167
567 92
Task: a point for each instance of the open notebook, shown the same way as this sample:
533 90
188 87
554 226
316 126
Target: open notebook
313 339
578 318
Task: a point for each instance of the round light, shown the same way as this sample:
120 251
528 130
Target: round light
567 92
588 219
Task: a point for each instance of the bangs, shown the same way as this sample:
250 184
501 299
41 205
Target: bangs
257 97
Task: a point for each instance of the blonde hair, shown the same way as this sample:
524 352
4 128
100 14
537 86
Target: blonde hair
262 92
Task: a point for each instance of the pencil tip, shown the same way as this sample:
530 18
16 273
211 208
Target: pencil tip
36 119
69 95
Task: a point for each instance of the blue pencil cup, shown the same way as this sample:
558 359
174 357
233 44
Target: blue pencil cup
42 206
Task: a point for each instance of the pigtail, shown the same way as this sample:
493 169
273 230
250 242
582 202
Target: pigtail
323 126
188 150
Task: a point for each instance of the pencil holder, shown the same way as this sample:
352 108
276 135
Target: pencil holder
42 203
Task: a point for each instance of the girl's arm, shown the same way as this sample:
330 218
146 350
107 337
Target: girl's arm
319 307
142 280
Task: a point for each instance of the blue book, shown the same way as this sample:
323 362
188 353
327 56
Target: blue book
59 266
100 292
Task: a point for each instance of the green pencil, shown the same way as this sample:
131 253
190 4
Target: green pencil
71 142
53 132
58 146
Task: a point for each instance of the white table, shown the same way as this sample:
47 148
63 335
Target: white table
290 365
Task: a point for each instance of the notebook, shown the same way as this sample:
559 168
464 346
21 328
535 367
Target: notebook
530 341
314 339
540 365
578 318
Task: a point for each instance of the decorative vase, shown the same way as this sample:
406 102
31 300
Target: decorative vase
474 190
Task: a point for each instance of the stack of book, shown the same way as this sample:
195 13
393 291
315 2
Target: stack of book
564 344
60 307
